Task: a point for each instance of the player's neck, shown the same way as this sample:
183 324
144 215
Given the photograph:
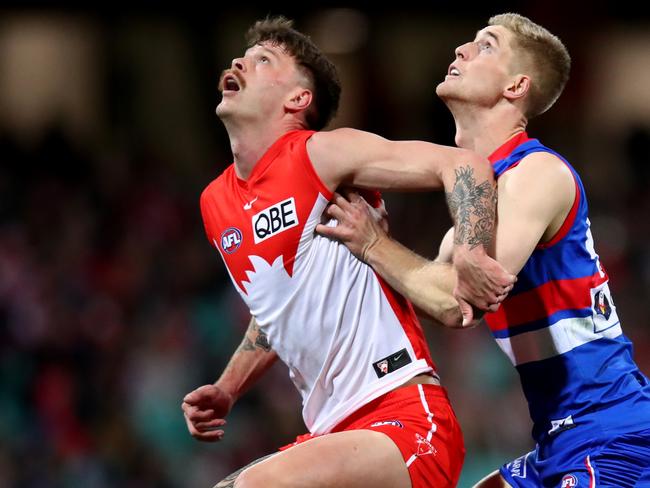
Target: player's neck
249 142
484 130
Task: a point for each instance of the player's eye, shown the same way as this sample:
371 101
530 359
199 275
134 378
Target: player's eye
263 59
484 46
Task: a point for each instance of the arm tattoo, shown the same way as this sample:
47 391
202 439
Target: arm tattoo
473 209
247 344
261 339
229 481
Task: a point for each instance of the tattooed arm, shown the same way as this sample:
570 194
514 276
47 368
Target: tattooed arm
206 407
480 280
534 201
366 160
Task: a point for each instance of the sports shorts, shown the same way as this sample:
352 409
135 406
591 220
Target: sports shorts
420 421
622 461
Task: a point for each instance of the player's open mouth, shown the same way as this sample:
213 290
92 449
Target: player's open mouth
453 71
230 83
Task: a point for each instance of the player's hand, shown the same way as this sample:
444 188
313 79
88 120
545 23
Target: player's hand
482 282
204 410
360 226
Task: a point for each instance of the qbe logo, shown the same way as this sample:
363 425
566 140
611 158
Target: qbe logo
569 481
275 219
231 240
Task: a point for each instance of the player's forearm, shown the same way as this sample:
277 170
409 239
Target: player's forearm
467 179
427 284
250 361
472 198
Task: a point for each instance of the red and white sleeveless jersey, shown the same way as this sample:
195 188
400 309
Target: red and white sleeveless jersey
346 336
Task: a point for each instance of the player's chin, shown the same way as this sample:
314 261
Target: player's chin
223 109
442 89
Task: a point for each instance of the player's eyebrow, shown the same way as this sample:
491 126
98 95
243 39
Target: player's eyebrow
267 49
488 33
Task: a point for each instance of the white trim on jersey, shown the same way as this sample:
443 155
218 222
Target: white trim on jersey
559 338
592 474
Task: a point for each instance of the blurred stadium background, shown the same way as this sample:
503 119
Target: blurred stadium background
112 303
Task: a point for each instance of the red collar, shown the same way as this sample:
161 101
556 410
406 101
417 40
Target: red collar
509 146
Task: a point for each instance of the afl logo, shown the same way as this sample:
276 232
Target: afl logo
231 240
569 481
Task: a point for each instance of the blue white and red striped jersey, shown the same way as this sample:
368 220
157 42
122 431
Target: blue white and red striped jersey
560 329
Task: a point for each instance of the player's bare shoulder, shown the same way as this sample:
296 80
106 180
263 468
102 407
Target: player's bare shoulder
541 188
326 150
540 173
336 154
339 145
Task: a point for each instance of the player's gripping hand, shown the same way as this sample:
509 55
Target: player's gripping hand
359 226
482 282
204 410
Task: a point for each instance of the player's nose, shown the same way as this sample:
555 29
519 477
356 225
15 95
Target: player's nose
238 63
463 51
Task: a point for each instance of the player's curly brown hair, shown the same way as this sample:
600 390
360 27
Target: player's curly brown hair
319 70
542 55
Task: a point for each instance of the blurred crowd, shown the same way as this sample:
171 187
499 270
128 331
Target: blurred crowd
113 306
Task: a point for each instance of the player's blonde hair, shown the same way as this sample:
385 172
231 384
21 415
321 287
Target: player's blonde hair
539 54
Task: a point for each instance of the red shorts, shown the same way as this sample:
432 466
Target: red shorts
420 421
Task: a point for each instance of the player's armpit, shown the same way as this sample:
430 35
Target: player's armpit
446 249
445 256
534 199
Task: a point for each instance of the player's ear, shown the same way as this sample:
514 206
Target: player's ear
517 88
299 100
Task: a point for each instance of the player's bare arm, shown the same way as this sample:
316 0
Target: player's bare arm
206 407
366 160
369 161
534 199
